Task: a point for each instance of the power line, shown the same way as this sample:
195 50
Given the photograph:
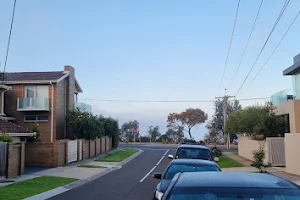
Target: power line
274 50
247 43
230 43
165 101
263 47
9 36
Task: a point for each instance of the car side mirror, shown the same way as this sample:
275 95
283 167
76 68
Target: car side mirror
157 176
216 159
171 156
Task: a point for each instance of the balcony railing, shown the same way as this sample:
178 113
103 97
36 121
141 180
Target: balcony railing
83 107
282 97
33 104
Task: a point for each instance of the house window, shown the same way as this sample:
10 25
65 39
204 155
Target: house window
36 118
36 91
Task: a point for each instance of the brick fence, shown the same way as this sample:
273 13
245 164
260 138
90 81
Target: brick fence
15 159
48 154
55 154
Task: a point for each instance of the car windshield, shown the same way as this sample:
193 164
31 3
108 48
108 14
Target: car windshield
194 153
197 193
176 168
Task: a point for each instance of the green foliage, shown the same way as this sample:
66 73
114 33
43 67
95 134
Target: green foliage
163 138
5 137
37 136
216 152
216 125
126 130
256 120
84 125
175 134
259 156
154 132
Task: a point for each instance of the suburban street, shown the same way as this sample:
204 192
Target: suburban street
133 181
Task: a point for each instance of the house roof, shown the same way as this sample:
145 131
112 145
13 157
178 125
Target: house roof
33 76
8 127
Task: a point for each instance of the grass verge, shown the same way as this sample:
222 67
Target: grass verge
91 166
118 156
226 162
232 150
31 187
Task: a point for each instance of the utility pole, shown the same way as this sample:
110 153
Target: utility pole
225 115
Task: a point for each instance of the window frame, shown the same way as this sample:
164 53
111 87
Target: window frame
36 118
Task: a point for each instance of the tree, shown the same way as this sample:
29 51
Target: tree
189 119
175 135
216 124
256 120
84 125
154 132
126 130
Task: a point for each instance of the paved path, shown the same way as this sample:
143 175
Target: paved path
279 171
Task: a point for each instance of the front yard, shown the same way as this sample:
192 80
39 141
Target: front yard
31 187
118 156
226 162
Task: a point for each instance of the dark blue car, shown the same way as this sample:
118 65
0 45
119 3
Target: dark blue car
181 165
230 186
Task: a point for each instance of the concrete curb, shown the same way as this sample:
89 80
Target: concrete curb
123 162
65 188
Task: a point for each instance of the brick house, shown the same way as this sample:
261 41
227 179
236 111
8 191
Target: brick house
43 98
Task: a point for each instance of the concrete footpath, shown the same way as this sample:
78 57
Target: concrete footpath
73 170
278 171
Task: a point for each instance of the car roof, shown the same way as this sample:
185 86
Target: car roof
193 146
193 161
233 179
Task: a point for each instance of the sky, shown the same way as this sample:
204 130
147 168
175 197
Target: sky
152 50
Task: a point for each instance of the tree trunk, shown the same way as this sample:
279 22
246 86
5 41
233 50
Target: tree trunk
190 133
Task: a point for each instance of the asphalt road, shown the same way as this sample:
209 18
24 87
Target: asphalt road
162 146
133 181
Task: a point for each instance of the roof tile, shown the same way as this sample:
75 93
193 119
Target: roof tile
33 76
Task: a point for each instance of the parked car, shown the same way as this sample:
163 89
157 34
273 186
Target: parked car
181 165
188 141
193 152
230 186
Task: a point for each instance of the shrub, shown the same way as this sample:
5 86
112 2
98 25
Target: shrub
259 156
5 138
84 125
216 152
37 136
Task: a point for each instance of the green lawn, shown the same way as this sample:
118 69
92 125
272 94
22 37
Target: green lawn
232 150
118 156
91 166
226 162
31 187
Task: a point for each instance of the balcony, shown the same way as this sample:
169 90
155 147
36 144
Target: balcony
83 107
282 97
33 104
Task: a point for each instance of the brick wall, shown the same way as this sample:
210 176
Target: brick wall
62 148
98 146
10 108
61 110
45 154
92 148
15 159
71 86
